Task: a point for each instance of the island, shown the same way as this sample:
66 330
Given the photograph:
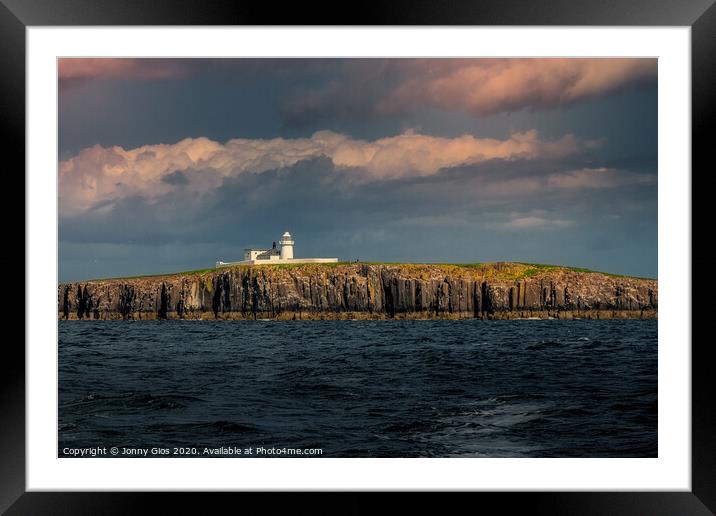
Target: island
352 290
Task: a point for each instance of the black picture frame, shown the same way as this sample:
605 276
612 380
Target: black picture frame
16 15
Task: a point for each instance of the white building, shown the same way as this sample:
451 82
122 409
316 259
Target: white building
275 255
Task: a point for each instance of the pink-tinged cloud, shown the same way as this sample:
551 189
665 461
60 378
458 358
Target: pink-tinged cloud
76 71
478 86
98 175
488 86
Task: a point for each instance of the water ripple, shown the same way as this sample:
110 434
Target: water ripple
364 388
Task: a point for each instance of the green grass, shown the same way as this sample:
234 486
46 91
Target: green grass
299 265
508 271
185 273
540 267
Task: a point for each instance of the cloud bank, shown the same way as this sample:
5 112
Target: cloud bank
524 210
334 88
485 86
480 87
98 176
315 193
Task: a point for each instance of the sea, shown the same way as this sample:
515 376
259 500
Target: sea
388 388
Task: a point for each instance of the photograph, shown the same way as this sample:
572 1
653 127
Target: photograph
359 257
435 248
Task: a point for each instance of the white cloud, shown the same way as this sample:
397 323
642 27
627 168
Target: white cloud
98 174
536 220
532 222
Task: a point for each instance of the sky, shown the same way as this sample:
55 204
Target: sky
168 165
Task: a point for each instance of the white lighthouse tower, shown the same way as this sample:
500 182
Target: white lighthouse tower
274 256
286 246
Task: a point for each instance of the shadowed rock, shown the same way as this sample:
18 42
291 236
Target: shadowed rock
349 291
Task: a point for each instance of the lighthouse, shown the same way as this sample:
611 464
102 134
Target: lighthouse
286 246
274 256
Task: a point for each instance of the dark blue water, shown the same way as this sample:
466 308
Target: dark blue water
362 388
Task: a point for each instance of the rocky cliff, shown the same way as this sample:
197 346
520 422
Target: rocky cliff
363 291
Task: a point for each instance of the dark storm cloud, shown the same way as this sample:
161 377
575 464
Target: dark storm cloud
163 100
77 72
367 88
176 178
491 211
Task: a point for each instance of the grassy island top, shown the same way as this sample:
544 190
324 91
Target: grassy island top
487 270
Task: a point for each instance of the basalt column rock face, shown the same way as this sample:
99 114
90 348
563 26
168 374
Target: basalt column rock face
343 291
